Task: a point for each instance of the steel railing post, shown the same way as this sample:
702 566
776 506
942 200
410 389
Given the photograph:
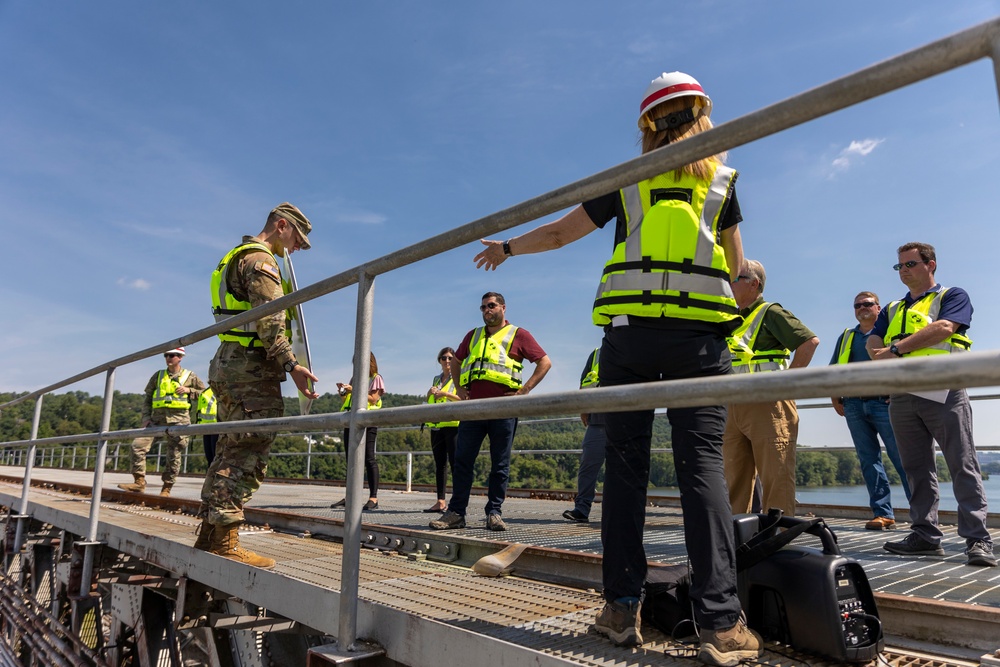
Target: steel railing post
22 517
309 453
409 472
351 564
95 496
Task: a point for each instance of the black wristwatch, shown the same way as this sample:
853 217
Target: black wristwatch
289 366
506 249
895 350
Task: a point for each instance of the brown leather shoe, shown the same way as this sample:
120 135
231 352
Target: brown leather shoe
881 523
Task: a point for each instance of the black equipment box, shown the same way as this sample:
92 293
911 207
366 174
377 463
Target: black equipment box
815 601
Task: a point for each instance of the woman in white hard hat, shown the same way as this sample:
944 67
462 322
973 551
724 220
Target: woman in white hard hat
666 305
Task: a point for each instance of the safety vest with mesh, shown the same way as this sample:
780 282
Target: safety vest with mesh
165 395
448 387
671 263
208 407
906 320
489 359
743 341
225 305
346 405
592 378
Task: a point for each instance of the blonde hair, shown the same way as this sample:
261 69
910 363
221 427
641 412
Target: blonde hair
650 138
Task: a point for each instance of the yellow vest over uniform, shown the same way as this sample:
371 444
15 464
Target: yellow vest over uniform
489 359
208 407
905 321
165 395
742 343
225 304
671 263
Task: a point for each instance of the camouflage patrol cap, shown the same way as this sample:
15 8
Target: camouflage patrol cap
293 215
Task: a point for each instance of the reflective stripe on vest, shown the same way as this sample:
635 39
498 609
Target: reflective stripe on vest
346 405
489 359
904 321
746 359
165 394
844 353
448 387
225 305
670 263
592 378
208 407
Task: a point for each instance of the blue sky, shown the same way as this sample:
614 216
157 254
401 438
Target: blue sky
139 142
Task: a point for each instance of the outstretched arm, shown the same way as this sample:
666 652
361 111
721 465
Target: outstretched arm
571 227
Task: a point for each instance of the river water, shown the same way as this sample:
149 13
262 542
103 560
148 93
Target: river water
858 495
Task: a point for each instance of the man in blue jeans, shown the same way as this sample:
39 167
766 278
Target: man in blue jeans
488 364
868 417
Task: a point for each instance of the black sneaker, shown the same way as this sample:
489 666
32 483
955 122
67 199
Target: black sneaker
448 521
494 522
620 622
914 545
576 516
980 554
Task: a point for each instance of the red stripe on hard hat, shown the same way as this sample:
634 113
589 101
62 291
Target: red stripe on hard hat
669 90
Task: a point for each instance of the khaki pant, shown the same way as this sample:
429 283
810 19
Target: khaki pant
172 466
760 440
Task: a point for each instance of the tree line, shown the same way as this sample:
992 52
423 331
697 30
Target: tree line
78 412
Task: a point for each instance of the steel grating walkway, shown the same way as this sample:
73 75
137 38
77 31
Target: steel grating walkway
523 615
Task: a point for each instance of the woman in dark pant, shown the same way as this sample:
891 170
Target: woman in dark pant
376 387
443 434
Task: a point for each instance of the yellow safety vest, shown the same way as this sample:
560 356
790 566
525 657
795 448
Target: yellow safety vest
671 263
225 305
592 378
489 359
449 387
346 405
905 321
165 395
743 341
844 352
208 407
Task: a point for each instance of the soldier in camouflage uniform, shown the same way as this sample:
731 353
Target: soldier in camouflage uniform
246 375
170 394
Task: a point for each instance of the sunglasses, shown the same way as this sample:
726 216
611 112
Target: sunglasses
864 304
446 358
171 355
742 277
492 305
912 263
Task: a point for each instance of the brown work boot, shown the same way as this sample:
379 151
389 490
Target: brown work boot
225 541
204 533
165 491
138 487
731 646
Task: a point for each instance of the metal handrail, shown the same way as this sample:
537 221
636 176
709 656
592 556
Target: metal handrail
967 370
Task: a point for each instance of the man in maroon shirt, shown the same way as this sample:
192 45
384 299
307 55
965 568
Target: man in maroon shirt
488 364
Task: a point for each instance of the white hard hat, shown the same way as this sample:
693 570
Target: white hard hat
669 85
176 350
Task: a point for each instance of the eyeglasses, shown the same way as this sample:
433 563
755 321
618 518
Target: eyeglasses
912 263
864 304
446 358
492 305
742 277
171 354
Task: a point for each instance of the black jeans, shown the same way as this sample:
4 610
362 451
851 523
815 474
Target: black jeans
443 448
371 465
636 354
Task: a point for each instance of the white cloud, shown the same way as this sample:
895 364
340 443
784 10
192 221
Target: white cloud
855 150
135 283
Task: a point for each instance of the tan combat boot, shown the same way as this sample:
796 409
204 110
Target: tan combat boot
138 487
165 491
225 541
204 533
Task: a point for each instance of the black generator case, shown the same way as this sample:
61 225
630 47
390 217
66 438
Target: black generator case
815 601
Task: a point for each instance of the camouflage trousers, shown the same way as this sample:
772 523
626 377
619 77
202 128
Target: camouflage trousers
240 458
175 446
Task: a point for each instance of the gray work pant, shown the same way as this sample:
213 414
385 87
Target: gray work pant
595 441
917 423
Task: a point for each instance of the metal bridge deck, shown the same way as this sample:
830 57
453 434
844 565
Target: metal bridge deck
417 607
